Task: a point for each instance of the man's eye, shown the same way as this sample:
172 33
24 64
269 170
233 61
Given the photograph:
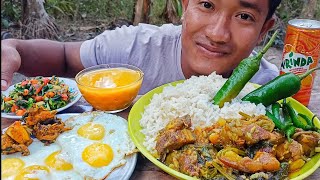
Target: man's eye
246 17
207 5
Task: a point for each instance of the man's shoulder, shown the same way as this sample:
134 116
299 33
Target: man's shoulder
150 30
164 27
266 73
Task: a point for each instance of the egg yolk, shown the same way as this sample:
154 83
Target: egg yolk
57 163
33 172
92 131
10 167
97 155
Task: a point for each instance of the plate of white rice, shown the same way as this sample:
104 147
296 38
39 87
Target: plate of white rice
193 97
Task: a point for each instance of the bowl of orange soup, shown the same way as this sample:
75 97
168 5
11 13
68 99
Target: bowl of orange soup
110 87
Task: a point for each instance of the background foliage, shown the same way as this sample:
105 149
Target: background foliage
89 12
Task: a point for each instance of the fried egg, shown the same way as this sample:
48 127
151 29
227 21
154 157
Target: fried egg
97 144
42 163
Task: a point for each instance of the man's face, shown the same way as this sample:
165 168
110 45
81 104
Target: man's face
218 34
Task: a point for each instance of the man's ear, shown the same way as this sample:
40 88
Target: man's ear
266 27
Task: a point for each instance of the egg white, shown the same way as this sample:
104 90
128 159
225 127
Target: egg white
116 136
72 145
38 153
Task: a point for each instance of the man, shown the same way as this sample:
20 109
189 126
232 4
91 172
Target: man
215 36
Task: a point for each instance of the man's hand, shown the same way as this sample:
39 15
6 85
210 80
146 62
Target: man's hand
10 62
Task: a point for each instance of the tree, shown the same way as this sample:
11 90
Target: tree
173 11
309 9
36 23
141 11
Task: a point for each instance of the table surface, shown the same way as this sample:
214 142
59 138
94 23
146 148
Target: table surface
145 169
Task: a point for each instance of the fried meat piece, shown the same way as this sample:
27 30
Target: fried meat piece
255 133
48 133
19 133
188 161
174 136
289 151
36 115
44 124
15 139
309 141
179 123
171 140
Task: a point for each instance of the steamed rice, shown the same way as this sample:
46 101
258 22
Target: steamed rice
192 97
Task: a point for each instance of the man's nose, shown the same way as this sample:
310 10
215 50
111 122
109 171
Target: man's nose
218 31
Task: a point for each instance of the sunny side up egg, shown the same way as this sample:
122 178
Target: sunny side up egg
97 144
42 163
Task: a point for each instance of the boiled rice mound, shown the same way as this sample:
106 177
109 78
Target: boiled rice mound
192 97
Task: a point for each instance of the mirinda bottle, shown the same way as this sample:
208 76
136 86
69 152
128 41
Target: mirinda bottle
301 52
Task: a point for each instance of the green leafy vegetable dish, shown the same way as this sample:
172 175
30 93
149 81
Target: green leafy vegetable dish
51 93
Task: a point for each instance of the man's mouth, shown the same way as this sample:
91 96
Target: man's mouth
211 51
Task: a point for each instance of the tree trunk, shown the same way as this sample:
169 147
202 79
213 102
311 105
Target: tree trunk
141 11
309 9
170 12
36 22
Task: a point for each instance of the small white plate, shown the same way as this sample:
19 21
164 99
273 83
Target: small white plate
122 173
73 88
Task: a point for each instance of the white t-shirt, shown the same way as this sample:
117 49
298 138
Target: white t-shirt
155 50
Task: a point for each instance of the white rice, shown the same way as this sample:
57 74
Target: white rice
192 97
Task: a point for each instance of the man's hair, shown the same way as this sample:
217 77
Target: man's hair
273 4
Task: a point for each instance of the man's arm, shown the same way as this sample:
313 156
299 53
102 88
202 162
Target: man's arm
39 57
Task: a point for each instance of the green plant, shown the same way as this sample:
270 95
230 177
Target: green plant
58 8
10 12
289 9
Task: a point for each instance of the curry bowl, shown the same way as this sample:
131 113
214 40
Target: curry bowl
138 137
110 87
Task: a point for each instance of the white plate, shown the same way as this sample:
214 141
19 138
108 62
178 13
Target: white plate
121 173
72 87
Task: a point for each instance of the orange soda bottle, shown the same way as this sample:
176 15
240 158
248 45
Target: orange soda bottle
301 52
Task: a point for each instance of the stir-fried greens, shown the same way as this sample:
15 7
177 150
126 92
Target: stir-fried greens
50 93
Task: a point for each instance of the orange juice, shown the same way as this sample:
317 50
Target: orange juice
301 52
111 89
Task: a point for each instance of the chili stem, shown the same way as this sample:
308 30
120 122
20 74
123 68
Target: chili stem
266 47
302 76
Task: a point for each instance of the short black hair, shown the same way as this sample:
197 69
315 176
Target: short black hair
273 4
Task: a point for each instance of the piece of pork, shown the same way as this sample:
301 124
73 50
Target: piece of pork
176 134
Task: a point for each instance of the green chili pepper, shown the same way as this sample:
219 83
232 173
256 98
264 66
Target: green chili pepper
281 87
306 118
276 109
289 132
296 122
287 128
315 127
246 69
286 115
275 120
